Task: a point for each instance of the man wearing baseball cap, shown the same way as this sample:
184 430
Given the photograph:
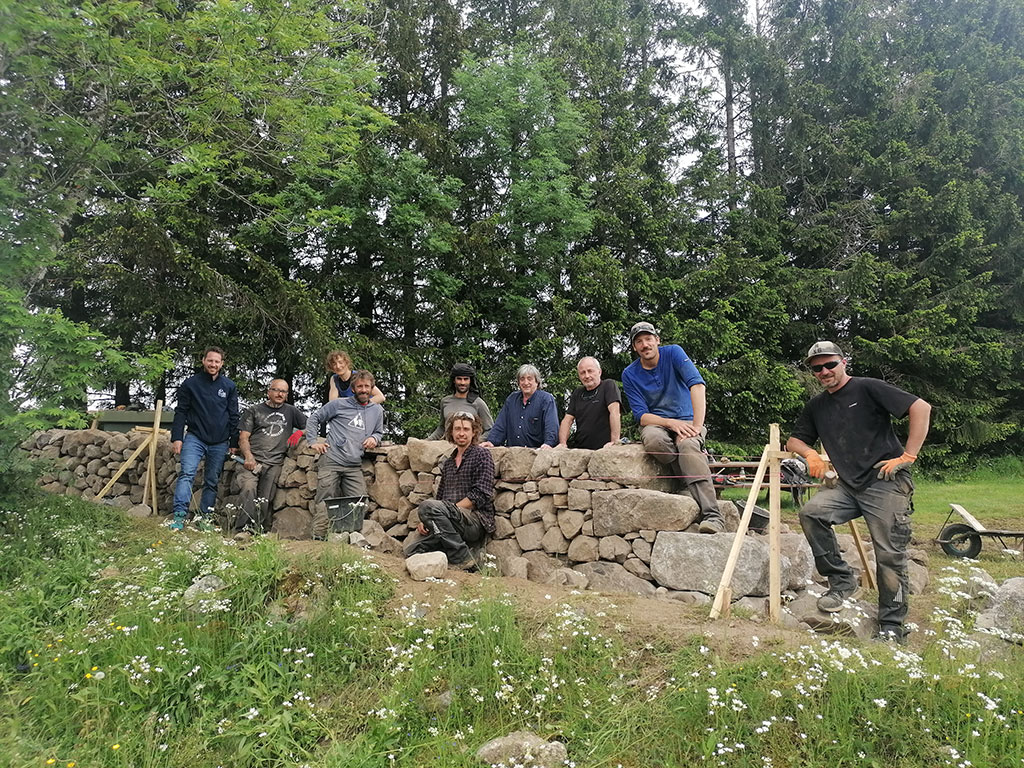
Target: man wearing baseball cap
667 396
853 420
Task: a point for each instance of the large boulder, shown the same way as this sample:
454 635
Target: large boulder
541 565
427 565
523 748
612 577
632 509
424 455
1005 617
629 465
516 464
530 536
398 457
384 488
694 562
573 462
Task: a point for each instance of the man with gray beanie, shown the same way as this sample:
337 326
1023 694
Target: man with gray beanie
853 420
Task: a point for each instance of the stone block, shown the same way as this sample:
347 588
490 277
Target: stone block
516 464
554 542
567 577
293 523
553 485
612 577
584 549
536 510
516 568
642 549
398 457
503 549
530 536
573 462
427 565
503 527
424 455
570 521
504 501
637 567
633 509
384 489
614 548
541 565
628 465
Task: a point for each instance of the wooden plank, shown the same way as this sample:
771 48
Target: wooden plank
151 470
970 519
722 597
774 527
124 467
869 577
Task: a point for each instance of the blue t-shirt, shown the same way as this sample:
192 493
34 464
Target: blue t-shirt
531 425
664 390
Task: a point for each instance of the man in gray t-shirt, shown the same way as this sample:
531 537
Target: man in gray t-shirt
464 398
264 435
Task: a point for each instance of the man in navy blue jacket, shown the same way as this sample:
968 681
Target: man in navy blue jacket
208 408
529 417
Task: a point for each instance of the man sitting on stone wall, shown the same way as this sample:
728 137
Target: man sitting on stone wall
264 435
463 512
354 425
594 407
667 396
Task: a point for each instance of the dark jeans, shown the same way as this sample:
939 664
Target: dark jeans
886 506
452 529
255 494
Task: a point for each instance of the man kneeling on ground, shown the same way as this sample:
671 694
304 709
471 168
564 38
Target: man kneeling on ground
463 512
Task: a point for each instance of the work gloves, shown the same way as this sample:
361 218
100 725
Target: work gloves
294 439
888 469
815 464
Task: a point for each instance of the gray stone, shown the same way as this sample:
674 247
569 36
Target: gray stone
637 567
378 539
139 510
694 562
516 568
503 549
536 510
918 576
356 539
1006 614
293 523
398 457
612 577
504 501
523 748
550 520
407 482
553 485
424 455
567 577
570 521
386 517
629 465
590 485
614 548
503 527
642 549
541 565
427 565
516 464
117 442
690 598
577 498
530 536
573 462
544 460
757 606
554 542
584 549
633 509
561 500
384 488
797 561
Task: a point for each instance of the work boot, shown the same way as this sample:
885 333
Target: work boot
177 524
712 525
891 633
833 600
468 565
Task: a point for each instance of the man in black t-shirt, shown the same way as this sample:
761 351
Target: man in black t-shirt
853 420
264 435
595 407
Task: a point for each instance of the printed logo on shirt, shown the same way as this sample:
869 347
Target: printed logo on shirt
221 393
851 405
357 422
275 424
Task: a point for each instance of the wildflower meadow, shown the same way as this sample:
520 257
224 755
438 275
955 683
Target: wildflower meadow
323 661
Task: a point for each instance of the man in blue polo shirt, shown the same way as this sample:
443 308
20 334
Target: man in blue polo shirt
667 396
529 417
208 407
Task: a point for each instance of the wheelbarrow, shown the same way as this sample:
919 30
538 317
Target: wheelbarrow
964 539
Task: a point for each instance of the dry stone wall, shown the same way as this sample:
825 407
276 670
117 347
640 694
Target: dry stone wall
574 517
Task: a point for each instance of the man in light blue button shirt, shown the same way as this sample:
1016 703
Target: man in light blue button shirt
529 417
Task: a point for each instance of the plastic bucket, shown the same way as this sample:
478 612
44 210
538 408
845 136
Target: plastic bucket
346 513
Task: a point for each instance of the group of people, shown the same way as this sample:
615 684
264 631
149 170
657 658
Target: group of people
852 419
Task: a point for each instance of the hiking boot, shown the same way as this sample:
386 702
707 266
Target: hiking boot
468 565
892 635
834 599
712 525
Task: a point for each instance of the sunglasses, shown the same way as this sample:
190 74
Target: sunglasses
827 366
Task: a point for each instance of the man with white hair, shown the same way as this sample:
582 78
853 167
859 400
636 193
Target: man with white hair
529 417
594 407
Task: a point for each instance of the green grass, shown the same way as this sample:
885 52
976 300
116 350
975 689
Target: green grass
318 662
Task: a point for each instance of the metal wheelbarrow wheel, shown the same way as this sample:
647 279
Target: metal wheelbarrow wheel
960 541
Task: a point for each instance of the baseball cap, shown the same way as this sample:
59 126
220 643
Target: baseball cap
822 348
641 327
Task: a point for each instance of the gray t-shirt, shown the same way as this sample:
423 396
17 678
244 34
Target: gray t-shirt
269 429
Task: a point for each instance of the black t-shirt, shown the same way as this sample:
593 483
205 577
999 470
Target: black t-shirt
590 409
270 429
855 427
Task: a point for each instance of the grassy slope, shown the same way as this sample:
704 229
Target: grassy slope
307 662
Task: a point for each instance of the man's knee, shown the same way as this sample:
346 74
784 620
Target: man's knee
431 509
659 442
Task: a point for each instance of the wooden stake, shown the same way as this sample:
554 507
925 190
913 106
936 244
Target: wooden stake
869 577
151 471
722 597
124 467
774 527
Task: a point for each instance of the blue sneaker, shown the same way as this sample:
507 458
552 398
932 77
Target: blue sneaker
177 524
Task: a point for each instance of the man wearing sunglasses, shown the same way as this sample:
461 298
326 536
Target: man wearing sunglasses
853 420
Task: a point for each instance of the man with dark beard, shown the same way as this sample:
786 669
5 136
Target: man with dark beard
464 398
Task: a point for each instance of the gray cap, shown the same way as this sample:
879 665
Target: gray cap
823 348
641 327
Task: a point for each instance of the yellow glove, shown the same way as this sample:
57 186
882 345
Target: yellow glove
815 465
888 469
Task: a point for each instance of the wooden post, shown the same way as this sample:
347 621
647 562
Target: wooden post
124 467
722 598
774 526
869 577
151 470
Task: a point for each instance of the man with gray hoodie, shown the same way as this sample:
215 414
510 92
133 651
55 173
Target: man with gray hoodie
354 425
